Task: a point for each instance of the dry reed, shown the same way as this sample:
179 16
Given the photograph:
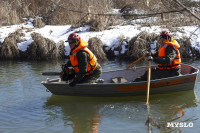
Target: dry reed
96 46
41 49
9 48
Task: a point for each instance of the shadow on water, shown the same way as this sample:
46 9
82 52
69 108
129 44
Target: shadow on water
88 114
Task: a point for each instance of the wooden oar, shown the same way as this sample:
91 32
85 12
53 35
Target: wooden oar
131 65
148 90
51 73
148 80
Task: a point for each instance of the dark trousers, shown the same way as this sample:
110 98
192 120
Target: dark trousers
93 76
159 73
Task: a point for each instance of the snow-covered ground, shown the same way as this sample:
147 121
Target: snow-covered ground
110 38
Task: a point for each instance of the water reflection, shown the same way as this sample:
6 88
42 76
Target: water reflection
82 112
90 114
174 107
25 106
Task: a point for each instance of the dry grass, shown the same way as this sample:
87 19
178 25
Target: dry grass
41 49
96 46
140 44
12 12
168 19
38 23
44 49
8 16
186 49
9 48
60 50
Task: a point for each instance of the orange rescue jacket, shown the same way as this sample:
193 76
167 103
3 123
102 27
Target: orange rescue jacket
92 58
162 52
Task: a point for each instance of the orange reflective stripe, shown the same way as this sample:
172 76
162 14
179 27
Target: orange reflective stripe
155 85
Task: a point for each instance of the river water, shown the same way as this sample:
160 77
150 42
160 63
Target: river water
26 106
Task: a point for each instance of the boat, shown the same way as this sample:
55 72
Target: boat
120 83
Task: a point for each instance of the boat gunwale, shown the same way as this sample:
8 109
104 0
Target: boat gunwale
135 83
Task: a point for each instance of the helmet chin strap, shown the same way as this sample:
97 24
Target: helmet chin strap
76 45
77 42
168 39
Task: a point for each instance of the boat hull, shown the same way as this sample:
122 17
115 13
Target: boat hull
165 85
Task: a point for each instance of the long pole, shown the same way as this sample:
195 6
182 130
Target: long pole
148 90
148 81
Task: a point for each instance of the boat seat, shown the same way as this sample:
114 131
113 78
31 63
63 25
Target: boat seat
119 80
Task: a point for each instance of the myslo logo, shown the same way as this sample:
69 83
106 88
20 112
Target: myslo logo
180 124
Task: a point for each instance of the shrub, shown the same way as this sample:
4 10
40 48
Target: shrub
9 48
60 50
41 49
186 49
95 45
140 44
38 23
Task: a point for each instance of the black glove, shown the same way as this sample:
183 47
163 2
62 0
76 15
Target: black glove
72 84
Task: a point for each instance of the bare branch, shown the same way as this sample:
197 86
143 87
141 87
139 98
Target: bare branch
188 10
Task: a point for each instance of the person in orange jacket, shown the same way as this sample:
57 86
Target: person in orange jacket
84 62
168 58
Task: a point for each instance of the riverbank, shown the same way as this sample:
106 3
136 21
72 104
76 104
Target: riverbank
26 42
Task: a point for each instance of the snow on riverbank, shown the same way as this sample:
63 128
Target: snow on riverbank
110 38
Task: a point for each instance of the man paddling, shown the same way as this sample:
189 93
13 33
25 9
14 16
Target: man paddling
168 59
84 62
